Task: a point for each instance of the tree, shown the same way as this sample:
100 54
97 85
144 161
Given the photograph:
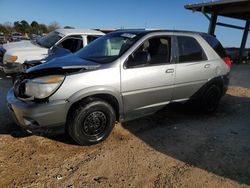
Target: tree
9 27
43 28
2 29
68 27
53 26
22 26
34 24
17 26
35 28
25 28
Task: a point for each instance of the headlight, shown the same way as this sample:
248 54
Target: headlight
43 87
9 58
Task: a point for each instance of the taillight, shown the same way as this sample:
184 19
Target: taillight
228 61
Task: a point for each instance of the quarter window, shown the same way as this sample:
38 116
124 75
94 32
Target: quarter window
215 44
190 50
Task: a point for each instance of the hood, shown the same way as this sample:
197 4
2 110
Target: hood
21 45
67 62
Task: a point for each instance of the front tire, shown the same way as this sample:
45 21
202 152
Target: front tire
91 122
211 99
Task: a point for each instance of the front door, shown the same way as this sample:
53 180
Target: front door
147 77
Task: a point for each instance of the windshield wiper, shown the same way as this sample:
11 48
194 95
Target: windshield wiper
89 59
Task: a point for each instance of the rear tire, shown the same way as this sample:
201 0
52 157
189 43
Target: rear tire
91 122
211 99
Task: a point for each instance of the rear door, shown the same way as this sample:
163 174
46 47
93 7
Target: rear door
192 68
147 86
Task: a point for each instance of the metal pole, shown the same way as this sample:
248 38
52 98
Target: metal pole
230 26
212 25
244 39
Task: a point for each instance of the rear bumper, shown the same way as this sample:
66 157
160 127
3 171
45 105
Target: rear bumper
38 118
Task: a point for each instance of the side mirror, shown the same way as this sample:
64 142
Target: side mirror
139 58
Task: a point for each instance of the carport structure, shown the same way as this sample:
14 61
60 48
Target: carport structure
238 9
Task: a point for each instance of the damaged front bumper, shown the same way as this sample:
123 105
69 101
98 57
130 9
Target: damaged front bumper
44 118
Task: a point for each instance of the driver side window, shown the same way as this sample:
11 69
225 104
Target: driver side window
153 51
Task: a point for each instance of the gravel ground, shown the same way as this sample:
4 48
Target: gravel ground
176 147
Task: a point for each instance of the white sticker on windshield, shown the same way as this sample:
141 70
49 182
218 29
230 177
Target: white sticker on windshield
128 35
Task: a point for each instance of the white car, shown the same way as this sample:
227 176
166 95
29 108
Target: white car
14 54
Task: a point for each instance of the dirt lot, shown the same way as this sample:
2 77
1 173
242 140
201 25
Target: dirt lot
176 147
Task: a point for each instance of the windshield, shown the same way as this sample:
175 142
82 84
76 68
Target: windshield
108 48
49 40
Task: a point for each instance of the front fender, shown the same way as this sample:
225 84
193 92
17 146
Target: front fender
90 91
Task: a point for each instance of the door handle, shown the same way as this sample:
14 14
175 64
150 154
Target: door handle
207 66
169 71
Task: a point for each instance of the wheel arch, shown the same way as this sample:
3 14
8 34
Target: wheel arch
111 97
217 80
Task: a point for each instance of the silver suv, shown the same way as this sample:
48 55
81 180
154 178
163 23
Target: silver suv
121 76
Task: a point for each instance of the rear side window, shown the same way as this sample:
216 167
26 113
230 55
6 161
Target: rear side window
190 50
215 44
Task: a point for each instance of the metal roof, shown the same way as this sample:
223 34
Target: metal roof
145 31
79 32
239 9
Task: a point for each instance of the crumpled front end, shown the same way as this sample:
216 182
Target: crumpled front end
38 113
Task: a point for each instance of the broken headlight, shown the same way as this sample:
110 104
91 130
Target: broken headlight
43 87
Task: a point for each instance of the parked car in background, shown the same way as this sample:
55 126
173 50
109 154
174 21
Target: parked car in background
246 56
2 38
119 77
16 53
15 36
233 53
55 53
